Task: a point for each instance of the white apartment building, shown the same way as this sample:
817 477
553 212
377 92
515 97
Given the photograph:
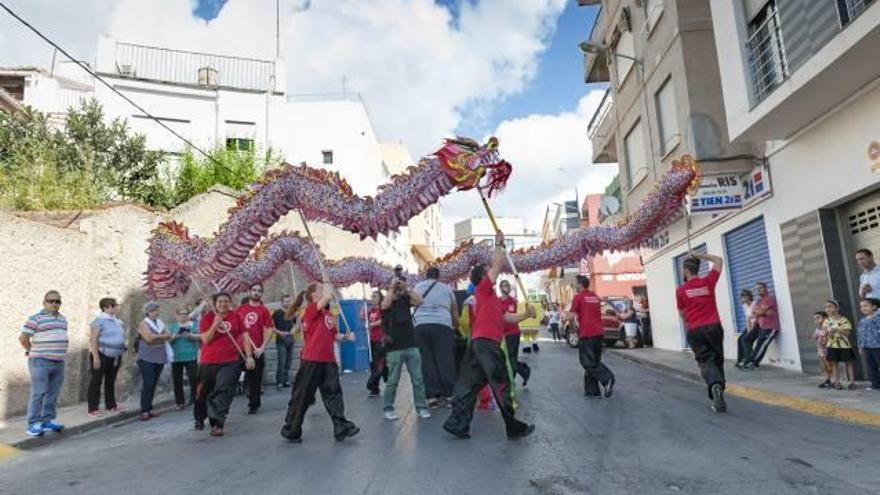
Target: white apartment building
780 95
234 102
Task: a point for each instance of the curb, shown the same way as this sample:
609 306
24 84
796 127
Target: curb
46 439
807 406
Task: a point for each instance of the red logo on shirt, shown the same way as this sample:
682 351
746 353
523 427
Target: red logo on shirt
225 327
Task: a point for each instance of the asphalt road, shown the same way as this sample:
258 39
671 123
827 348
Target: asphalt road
656 435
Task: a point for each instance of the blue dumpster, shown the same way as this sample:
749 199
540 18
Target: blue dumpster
355 356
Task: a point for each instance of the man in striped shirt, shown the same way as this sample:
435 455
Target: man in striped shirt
44 338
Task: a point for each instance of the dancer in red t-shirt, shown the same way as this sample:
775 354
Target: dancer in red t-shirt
586 310
221 331
512 334
378 369
318 369
696 304
259 326
483 361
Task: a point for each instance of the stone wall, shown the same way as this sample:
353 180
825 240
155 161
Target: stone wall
89 255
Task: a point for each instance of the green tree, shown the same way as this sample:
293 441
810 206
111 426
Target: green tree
80 165
195 173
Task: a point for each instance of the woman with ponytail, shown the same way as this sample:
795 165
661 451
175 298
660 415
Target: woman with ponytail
318 369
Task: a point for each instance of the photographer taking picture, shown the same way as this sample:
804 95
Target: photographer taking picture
400 344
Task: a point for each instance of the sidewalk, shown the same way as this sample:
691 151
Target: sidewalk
772 386
76 420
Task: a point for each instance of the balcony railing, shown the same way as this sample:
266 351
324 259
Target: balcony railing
601 113
767 57
853 9
192 68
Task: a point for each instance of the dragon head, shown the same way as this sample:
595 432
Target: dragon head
470 164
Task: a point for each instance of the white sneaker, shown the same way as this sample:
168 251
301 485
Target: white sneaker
424 414
391 415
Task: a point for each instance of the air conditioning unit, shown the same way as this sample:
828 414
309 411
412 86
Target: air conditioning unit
126 70
209 77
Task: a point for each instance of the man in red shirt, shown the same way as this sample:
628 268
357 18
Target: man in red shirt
223 348
512 334
767 316
696 304
483 361
259 325
586 310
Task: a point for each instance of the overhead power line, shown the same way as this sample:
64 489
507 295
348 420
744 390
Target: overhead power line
110 86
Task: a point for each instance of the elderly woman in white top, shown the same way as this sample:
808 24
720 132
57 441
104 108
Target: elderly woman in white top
106 347
153 352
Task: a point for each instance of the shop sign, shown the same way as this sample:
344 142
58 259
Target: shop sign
719 192
756 184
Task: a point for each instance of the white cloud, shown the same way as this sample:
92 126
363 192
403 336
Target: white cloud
415 67
551 157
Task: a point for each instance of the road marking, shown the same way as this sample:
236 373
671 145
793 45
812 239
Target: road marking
813 407
8 452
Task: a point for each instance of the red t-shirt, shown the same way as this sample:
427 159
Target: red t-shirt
221 349
489 318
696 300
255 319
376 333
509 305
587 307
319 332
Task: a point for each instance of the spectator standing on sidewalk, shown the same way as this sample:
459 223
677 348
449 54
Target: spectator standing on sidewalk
840 349
106 347
766 316
435 320
283 342
400 346
630 323
185 346
553 321
153 351
44 338
746 336
869 340
820 335
696 304
869 279
586 311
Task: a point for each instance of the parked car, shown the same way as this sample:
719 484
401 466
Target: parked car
612 327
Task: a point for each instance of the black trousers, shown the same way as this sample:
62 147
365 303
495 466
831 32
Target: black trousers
595 371
106 373
311 377
745 344
254 379
707 342
150 378
554 330
436 343
872 365
378 367
192 376
483 363
762 343
518 368
215 392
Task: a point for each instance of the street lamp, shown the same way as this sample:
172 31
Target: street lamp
599 49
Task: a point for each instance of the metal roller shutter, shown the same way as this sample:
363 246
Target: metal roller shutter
749 259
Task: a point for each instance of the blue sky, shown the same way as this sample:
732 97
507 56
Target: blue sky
557 86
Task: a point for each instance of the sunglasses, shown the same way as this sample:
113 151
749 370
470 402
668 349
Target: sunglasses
53 301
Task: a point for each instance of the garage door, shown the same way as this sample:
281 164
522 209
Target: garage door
748 259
